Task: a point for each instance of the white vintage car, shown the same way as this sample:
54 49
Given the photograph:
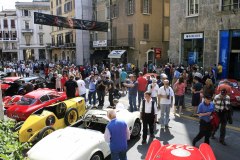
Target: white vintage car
85 139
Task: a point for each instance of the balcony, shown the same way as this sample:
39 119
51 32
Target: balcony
9 39
61 45
124 42
27 30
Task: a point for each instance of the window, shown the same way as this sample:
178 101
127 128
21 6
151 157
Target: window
40 26
146 31
146 6
13 23
53 40
5 23
228 5
108 12
114 35
14 35
192 7
41 39
56 2
130 7
26 25
44 98
68 7
96 36
130 34
59 10
114 11
51 4
25 12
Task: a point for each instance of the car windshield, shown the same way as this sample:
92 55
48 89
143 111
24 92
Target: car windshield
26 101
232 84
94 122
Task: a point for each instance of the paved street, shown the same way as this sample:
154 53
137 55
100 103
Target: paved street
183 130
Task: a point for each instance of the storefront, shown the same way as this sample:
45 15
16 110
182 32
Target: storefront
192 51
229 53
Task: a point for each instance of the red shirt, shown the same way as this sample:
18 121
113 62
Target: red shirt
142 84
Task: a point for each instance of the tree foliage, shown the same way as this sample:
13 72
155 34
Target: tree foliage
10 147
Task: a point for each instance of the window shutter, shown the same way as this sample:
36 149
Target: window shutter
126 7
133 6
141 4
150 6
117 12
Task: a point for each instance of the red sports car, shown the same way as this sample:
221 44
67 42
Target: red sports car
20 107
156 151
234 92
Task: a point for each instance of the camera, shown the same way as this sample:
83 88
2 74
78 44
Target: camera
168 96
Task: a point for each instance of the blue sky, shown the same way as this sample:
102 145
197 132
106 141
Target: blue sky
10 4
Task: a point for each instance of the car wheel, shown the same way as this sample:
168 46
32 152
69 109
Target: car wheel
45 131
136 129
71 116
17 126
97 156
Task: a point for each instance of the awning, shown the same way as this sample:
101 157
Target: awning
116 53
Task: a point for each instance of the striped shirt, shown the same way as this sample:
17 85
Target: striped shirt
221 102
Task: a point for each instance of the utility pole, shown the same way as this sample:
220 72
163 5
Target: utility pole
1 104
110 14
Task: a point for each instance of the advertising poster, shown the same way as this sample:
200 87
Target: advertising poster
192 58
66 22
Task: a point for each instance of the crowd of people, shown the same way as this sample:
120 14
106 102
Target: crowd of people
146 93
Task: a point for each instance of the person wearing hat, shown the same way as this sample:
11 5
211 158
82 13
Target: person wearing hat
132 92
204 112
165 95
222 107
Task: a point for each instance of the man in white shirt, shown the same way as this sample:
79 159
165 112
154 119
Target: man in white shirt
166 96
81 87
148 113
153 88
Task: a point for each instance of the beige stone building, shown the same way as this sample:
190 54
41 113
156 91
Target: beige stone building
136 28
63 46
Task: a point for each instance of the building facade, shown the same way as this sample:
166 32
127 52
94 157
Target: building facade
206 32
70 45
8 36
137 29
33 38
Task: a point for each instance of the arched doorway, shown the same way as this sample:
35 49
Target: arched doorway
150 56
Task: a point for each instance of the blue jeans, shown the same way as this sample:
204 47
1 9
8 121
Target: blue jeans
140 98
165 111
92 95
119 155
132 102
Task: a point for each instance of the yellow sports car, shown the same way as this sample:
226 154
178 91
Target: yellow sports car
48 119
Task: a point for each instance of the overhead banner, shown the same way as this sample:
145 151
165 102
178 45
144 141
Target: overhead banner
66 22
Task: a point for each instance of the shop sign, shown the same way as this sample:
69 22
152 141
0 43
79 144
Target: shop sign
158 52
193 36
102 43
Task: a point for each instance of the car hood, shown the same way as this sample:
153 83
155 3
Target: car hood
65 143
